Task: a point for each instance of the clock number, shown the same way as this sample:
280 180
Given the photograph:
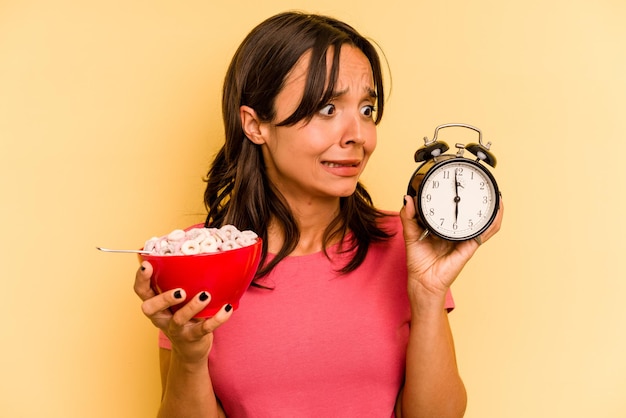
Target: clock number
428 197
431 212
485 199
455 226
470 224
442 221
482 184
459 171
435 184
446 175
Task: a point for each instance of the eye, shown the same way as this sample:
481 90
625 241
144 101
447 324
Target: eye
328 110
368 111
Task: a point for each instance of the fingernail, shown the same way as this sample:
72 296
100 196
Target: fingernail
203 296
178 294
404 200
228 307
143 268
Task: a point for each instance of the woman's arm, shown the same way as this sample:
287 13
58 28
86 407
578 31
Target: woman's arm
185 390
433 387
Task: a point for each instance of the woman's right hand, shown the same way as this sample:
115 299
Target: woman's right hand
191 337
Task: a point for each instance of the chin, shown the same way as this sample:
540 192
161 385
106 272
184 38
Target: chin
344 189
347 192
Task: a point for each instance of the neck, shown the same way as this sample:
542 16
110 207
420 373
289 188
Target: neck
312 219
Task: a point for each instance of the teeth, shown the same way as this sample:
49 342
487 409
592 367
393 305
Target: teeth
334 165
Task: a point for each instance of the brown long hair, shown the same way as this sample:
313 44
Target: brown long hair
238 191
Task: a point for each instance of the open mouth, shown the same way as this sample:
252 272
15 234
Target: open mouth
334 164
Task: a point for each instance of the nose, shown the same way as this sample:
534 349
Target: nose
355 131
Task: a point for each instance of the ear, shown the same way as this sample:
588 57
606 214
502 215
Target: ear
251 125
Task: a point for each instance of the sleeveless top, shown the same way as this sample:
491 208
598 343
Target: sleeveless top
318 343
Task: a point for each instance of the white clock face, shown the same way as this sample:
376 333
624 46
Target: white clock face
457 199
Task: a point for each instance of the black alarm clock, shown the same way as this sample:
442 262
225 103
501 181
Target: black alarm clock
456 198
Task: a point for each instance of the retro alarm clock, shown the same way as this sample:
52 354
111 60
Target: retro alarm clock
456 197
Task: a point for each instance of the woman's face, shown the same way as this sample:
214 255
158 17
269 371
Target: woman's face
324 157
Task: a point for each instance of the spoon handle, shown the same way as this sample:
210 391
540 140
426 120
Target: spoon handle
109 250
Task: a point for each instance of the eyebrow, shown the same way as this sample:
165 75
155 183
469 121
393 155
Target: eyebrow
370 92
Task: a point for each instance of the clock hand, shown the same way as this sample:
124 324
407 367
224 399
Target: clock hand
456 197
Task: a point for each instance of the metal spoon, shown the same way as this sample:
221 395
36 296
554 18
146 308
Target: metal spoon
108 250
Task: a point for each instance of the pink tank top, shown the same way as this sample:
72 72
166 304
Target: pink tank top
318 344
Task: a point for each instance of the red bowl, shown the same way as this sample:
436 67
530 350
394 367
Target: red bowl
226 275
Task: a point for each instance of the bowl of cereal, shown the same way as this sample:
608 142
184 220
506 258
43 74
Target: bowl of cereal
220 261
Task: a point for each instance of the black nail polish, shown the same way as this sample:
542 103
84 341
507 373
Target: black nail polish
228 307
142 268
203 296
177 294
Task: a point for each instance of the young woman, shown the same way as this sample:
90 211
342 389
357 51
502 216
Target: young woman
348 314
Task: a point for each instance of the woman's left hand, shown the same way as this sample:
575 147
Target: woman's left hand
433 263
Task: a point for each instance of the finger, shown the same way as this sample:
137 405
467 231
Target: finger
142 281
216 321
495 226
192 308
162 302
409 207
411 228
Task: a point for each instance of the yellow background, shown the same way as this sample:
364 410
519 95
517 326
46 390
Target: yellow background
109 115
